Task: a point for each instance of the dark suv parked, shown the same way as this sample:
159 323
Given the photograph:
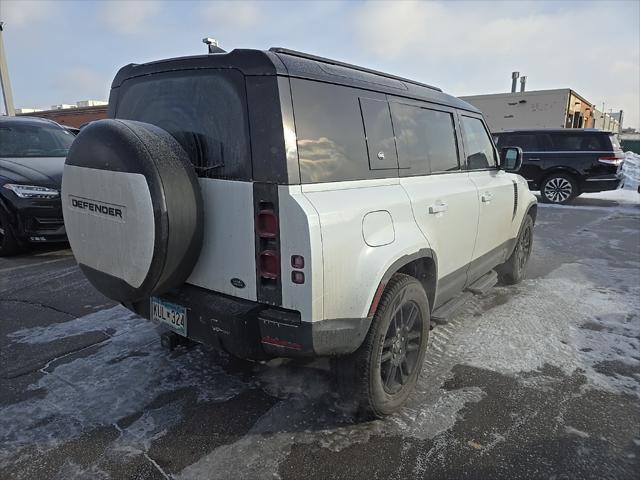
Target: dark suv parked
32 153
564 163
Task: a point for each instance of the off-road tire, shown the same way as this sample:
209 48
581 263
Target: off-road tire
359 375
514 269
9 244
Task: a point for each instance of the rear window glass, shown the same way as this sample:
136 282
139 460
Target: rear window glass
575 142
21 139
426 140
205 111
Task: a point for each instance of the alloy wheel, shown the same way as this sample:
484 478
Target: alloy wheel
400 350
558 189
524 248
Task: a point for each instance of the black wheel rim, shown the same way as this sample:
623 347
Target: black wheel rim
401 347
1 233
524 248
558 189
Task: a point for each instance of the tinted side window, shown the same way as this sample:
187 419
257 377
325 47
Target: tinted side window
330 133
426 140
381 145
574 142
527 142
204 111
477 143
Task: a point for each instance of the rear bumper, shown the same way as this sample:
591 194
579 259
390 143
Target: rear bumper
601 183
252 330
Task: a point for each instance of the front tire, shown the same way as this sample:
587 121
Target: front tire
559 188
383 372
514 269
9 244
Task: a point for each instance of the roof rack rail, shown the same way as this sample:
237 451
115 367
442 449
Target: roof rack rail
309 56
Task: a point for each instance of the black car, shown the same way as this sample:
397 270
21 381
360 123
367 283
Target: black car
564 163
32 154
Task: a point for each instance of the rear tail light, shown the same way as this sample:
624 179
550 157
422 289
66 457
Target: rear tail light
269 264
267 224
612 160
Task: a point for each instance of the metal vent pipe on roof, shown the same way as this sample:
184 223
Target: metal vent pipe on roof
514 81
523 82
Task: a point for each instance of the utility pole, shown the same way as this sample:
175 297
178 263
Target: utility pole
4 78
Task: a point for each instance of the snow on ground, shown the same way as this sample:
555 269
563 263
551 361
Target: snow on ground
579 317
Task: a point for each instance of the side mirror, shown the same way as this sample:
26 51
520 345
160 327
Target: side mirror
511 159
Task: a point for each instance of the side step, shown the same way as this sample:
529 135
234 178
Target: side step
484 283
443 313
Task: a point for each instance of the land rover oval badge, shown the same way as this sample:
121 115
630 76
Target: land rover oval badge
236 282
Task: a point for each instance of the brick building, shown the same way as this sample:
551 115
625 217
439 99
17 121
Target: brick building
73 117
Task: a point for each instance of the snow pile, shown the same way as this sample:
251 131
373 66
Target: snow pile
631 171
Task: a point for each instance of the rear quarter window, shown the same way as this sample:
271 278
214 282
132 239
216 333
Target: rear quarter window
332 145
204 110
578 142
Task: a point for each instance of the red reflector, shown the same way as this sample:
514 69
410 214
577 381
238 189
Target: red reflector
297 277
297 261
267 224
376 300
269 264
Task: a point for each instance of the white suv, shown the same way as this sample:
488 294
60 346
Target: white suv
274 203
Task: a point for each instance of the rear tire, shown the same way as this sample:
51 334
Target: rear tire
559 188
9 244
514 269
383 372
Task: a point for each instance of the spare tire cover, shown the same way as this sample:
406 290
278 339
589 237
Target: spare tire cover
132 208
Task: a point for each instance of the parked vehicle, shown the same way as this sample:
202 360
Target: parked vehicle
564 163
32 153
278 204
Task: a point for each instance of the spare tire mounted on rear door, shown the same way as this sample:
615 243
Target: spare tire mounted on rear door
132 208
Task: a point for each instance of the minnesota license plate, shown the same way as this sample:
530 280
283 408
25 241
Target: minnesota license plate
169 313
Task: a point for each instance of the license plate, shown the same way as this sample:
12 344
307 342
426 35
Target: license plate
173 315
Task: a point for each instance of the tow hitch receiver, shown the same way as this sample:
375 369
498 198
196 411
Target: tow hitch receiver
170 340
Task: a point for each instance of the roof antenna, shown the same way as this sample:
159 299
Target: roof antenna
212 43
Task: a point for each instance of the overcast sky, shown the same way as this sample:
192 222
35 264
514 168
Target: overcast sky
64 51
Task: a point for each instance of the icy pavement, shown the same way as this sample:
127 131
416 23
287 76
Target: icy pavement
541 379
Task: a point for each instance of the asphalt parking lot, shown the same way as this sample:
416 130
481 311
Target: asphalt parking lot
539 380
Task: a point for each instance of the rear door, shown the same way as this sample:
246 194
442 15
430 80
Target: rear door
495 196
443 198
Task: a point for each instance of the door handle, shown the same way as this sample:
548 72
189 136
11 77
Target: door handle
486 197
534 159
439 208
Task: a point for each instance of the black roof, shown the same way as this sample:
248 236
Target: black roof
551 130
281 61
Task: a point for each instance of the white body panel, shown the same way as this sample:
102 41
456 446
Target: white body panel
228 249
300 235
495 198
352 268
446 209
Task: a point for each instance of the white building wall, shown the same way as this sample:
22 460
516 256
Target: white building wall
535 109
